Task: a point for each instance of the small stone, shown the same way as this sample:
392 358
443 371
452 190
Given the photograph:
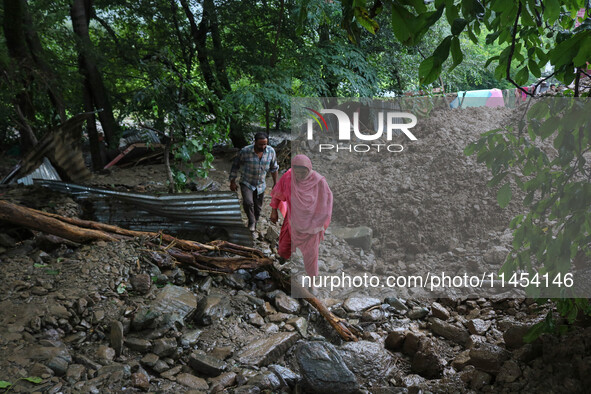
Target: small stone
514 334
359 304
149 360
74 373
417 312
192 381
285 303
190 338
478 326
165 347
397 304
394 340
487 357
509 372
268 349
105 354
221 382
205 364
411 343
141 283
300 324
140 380
439 311
256 320
222 353
138 344
116 336
450 331
427 363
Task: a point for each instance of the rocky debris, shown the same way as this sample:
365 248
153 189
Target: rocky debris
395 339
116 336
368 361
286 304
513 335
266 350
417 312
356 236
495 255
205 364
191 381
487 357
478 326
439 311
172 304
138 344
323 369
426 361
359 304
211 308
449 331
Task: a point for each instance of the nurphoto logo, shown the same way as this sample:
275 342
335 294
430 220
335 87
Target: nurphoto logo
393 121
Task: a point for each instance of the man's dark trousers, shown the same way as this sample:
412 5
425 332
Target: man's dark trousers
252 203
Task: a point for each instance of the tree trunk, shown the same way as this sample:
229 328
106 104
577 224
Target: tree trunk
17 50
80 13
37 53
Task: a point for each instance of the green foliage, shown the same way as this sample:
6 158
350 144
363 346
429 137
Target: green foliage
529 35
556 230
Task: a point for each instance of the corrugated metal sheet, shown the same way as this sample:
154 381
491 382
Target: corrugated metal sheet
205 214
44 171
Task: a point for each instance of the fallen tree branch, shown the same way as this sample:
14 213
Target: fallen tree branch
188 253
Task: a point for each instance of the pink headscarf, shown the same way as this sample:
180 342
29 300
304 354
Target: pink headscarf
311 200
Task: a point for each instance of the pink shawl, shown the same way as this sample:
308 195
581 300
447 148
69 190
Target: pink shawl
311 200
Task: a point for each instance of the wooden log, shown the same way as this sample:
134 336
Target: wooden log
78 230
30 218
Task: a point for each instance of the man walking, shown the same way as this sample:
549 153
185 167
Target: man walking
254 161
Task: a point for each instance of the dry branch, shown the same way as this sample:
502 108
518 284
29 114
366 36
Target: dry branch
189 254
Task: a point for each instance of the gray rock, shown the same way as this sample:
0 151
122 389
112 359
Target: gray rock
450 331
74 373
116 336
105 354
397 304
55 358
190 338
367 359
164 347
286 375
266 350
247 389
192 381
141 283
439 311
374 314
478 326
171 305
417 312
495 255
88 363
509 372
222 353
138 344
219 383
272 235
255 319
169 374
355 236
487 357
265 381
359 304
205 364
412 380
300 324
212 308
149 360
323 369
285 303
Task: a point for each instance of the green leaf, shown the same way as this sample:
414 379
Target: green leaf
504 195
4 384
522 76
403 24
534 68
442 51
362 16
458 25
39 265
552 11
456 53
429 70
34 379
490 60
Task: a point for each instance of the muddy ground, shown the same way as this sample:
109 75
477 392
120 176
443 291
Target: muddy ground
109 317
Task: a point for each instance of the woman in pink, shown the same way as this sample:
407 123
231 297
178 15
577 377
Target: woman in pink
309 210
